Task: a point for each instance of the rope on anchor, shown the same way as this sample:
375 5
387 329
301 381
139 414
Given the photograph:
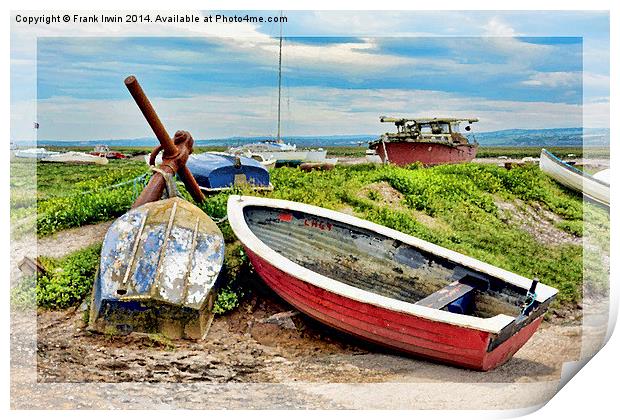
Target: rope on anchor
173 191
220 220
171 186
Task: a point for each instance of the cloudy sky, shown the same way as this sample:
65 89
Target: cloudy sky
341 71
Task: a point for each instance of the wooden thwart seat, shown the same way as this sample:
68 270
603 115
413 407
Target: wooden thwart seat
445 296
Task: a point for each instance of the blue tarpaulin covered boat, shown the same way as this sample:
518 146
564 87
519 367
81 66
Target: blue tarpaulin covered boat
220 171
215 171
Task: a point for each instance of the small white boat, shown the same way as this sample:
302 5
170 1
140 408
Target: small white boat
372 156
280 153
76 158
267 151
35 153
267 163
317 156
573 178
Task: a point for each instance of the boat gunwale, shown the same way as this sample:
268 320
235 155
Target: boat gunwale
376 143
267 188
565 165
236 218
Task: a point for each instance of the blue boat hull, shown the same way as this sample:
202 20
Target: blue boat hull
214 171
159 271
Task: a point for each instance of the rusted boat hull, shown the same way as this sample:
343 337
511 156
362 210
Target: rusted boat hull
387 287
407 152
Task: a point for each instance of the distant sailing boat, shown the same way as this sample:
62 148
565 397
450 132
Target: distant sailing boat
275 151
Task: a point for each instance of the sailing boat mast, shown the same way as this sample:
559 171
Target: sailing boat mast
278 139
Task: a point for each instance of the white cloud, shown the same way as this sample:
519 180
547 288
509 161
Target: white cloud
595 82
596 113
554 79
496 27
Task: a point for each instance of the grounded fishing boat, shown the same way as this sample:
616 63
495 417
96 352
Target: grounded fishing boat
430 141
216 171
388 287
103 150
571 177
76 158
35 153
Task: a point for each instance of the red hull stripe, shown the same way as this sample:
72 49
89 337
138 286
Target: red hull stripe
357 330
393 318
346 310
405 153
444 342
333 316
508 348
383 336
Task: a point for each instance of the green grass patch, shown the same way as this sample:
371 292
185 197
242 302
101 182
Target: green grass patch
71 195
454 206
67 281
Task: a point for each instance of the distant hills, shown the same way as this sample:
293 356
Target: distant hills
546 137
512 137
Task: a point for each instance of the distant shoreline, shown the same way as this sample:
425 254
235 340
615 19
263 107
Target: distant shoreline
563 137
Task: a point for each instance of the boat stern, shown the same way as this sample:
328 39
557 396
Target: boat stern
158 272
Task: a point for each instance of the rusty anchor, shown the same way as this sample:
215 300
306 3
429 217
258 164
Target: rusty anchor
175 152
160 262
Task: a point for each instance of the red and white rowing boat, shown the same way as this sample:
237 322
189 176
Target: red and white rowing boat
388 287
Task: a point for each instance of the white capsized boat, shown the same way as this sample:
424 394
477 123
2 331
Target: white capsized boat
76 158
35 153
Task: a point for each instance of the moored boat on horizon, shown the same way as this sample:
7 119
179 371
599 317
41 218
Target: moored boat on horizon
430 141
387 287
276 150
280 153
34 153
76 158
